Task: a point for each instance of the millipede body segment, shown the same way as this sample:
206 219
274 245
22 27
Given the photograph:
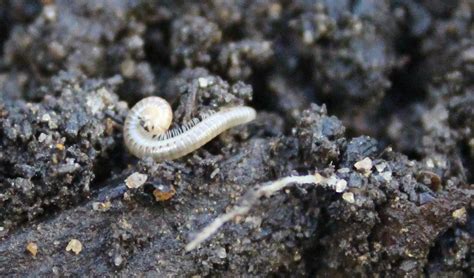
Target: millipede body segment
146 131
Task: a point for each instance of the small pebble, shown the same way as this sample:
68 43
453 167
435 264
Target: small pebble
364 165
275 10
215 172
380 167
135 180
135 42
460 214
99 206
468 55
297 257
341 186
221 253
128 68
203 82
42 137
56 50
118 260
430 163
60 147
46 118
32 248
75 246
163 193
348 197
49 12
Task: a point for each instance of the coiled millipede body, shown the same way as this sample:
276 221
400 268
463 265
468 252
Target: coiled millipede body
146 127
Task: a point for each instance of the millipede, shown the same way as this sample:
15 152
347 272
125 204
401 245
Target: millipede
147 134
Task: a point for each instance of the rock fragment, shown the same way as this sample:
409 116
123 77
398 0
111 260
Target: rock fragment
75 246
341 186
101 206
460 214
348 197
364 166
136 180
32 248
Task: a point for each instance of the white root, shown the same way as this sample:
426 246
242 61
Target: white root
250 199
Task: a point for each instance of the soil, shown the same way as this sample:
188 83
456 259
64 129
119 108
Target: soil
337 84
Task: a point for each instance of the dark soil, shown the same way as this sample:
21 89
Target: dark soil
333 81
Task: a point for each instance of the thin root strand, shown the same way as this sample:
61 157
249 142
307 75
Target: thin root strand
250 199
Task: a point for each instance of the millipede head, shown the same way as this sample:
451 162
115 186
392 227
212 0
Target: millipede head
156 116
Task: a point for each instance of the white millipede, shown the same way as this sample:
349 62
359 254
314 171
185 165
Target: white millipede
146 131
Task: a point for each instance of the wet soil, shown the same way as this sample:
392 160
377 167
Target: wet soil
335 84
